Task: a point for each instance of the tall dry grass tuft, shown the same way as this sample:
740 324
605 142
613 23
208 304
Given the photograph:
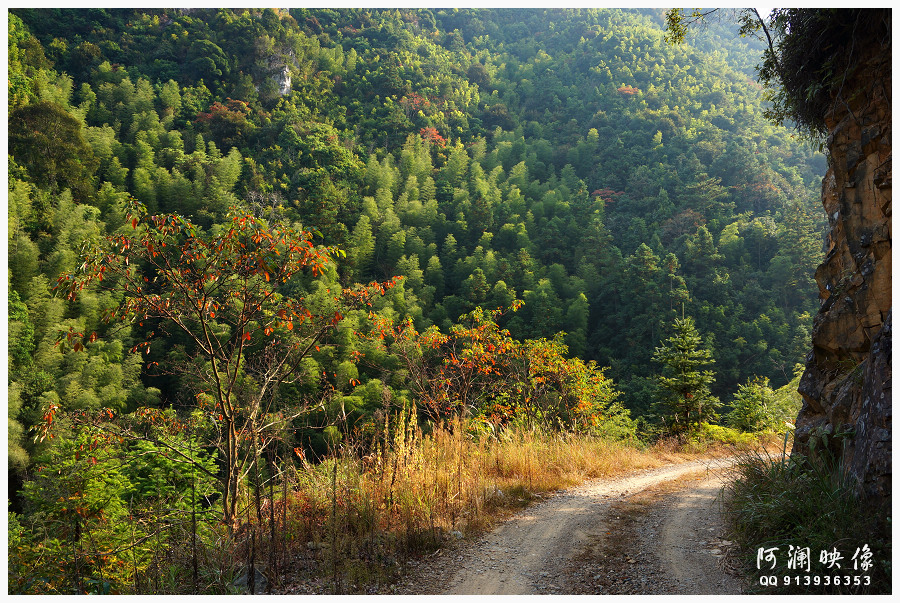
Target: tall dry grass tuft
355 519
546 462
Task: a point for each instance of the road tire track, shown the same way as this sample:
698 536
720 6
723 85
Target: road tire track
533 552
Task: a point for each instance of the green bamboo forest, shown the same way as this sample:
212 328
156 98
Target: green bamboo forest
274 275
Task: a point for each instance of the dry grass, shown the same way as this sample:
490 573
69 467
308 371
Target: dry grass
347 524
356 519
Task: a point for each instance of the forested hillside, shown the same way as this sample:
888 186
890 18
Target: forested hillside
556 188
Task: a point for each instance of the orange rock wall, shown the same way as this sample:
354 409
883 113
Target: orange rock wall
847 384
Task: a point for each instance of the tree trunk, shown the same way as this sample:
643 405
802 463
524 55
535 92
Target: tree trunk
232 477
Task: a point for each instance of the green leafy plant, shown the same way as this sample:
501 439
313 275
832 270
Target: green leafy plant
76 535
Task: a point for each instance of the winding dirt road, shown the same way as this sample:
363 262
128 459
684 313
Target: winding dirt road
653 532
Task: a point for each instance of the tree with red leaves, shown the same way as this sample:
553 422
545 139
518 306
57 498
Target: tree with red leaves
227 123
230 291
455 374
433 136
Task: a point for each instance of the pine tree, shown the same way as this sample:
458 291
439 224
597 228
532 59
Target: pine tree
686 400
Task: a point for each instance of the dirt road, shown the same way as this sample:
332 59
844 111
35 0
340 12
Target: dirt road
654 532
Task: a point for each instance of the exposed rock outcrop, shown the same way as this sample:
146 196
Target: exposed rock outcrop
277 75
847 384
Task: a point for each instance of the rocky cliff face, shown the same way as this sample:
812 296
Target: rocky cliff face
847 384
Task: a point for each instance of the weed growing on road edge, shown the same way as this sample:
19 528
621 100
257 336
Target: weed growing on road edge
423 490
790 503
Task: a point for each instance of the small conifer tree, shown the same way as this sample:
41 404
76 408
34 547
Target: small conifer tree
686 401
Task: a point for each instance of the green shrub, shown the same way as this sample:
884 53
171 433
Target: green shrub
75 531
756 407
752 406
725 435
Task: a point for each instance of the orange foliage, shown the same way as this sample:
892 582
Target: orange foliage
226 292
478 370
431 135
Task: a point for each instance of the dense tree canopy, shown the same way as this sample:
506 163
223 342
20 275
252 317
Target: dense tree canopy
571 159
569 163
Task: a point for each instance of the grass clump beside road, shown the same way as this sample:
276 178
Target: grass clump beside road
779 506
424 490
